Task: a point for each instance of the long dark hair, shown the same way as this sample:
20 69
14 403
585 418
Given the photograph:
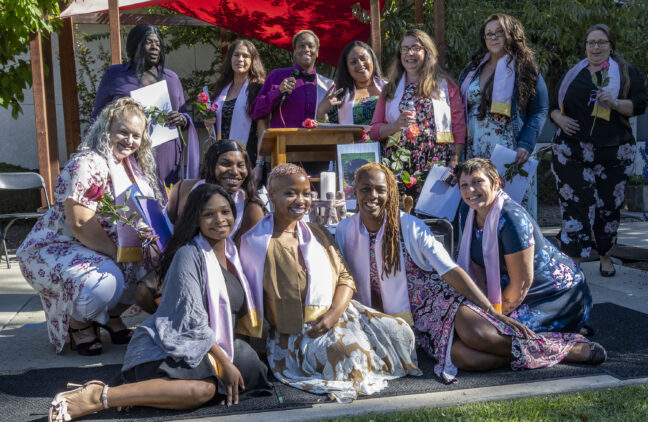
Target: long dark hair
256 75
515 45
188 226
343 78
211 159
623 65
135 46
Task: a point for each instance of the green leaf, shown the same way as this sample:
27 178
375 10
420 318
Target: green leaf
524 173
405 176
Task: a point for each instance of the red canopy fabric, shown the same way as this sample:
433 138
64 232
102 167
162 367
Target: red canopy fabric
272 21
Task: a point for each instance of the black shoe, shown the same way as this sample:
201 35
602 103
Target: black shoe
118 337
598 355
88 348
607 273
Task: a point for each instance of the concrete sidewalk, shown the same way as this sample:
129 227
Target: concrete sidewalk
24 343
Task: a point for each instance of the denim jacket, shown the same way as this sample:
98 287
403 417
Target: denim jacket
527 124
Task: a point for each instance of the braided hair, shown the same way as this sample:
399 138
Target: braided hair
391 238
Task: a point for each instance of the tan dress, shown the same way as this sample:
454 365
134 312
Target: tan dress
357 356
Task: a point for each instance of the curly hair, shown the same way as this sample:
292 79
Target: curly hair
98 138
256 74
343 79
430 74
135 47
515 45
623 65
207 170
285 169
391 238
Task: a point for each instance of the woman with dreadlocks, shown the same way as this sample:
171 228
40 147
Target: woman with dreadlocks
400 268
145 49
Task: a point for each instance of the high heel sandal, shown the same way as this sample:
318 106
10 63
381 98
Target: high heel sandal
58 411
122 336
598 355
89 348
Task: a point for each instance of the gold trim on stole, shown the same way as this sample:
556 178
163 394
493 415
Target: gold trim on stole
601 112
311 313
250 326
501 108
444 138
407 316
129 254
215 364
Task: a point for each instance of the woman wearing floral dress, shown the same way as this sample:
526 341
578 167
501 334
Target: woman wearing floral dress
83 265
593 157
436 129
505 96
400 268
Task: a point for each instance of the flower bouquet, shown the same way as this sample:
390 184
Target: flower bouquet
206 110
605 81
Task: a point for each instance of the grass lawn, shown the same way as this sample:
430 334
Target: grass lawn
618 404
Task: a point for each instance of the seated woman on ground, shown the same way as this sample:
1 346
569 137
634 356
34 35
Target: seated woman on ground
226 164
187 352
320 340
83 265
400 268
503 247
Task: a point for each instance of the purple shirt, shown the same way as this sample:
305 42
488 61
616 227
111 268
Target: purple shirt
299 104
118 81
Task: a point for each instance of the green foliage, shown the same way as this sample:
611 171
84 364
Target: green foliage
91 65
18 19
554 28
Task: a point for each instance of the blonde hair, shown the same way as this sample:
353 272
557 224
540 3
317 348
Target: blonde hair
98 138
285 169
430 74
391 238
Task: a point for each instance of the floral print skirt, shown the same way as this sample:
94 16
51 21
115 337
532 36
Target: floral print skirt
357 356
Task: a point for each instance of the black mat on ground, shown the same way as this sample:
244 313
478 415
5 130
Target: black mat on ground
26 396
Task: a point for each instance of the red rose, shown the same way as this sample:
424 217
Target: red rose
412 182
94 193
309 124
365 138
605 65
412 132
203 98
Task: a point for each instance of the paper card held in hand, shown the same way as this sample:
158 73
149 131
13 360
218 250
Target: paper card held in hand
516 178
153 215
156 95
438 198
350 157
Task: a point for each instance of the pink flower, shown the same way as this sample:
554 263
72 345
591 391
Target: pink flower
412 132
605 65
213 107
309 123
412 182
203 98
365 138
94 193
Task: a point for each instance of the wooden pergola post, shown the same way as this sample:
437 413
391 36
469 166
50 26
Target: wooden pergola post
439 30
115 40
45 115
374 10
69 87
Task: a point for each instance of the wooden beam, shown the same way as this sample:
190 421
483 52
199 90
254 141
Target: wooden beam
136 18
69 87
224 44
439 30
374 9
418 11
115 40
50 104
45 160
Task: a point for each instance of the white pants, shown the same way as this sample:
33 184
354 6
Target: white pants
103 289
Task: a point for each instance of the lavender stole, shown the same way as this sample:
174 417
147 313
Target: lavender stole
241 120
323 85
613 87
345 110
503 85
253 251
220 314
440 105
129 244
193 150
393 286
490 249
239 200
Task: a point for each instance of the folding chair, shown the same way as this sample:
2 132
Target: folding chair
19 181
443 231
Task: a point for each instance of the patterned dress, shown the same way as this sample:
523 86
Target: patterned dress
559 298
434 304
425 151
363 111
494 129
53 261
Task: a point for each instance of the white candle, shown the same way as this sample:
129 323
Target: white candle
327 184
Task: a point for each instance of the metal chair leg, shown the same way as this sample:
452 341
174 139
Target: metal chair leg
4 246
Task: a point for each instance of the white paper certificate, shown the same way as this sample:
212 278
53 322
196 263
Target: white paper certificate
157 95
516 188
438 198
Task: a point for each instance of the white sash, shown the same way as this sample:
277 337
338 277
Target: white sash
239 201
323 85
241 120
345 110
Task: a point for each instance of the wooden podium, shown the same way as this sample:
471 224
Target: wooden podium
294 145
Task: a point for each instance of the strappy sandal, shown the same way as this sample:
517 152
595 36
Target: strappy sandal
58 411
89 348
122 336
598 355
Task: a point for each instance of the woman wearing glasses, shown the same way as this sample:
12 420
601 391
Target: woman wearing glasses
504 94
594 149
421 106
